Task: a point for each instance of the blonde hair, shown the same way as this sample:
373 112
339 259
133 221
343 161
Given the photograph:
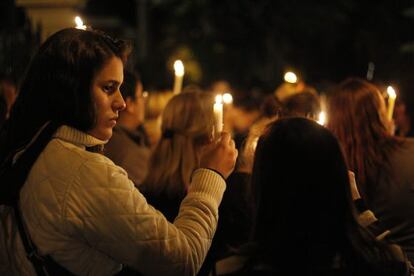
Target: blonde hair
154 106
187 124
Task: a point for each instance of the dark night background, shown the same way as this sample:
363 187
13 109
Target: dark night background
249 43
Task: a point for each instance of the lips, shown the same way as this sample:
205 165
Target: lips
113 120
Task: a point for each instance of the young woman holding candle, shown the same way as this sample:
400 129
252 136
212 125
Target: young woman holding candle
304 217
382 163
79 209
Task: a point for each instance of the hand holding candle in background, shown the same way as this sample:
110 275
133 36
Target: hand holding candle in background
179 75
391 101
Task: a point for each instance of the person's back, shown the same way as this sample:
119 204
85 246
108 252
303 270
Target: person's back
382 162
304 217
393 202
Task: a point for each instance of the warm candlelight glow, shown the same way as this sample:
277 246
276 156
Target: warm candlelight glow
179 68
391 92
179 75
79 23
218 115
322 118
290 77
391 101
227 98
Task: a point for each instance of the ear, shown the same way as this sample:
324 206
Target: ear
130 106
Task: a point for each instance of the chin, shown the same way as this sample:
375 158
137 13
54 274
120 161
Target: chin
104 135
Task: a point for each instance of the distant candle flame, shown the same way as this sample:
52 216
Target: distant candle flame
227 98
79 23
179 68
391 92
290 77
322 118
219 99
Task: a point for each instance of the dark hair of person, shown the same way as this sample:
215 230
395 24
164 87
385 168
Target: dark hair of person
247 100
305 104
357 117
57 85
129 85
271 106
303 205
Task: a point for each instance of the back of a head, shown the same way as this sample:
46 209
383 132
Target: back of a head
301 191
304 104
189 113
129 85
187 124
357 117
357 108
156 103
57 85
304 209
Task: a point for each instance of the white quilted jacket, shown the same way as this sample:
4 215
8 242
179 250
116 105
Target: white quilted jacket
82 210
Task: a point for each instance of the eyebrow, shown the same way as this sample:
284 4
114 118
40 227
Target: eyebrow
111 82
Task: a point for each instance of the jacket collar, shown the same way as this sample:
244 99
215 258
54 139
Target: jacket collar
77 137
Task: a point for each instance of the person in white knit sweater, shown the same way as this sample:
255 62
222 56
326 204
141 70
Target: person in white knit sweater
81 211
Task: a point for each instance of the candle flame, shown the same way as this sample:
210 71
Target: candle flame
219 99
179 68
290 77
391 92
79 23
227 98
322 118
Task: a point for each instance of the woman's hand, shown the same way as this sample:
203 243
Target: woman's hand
220 155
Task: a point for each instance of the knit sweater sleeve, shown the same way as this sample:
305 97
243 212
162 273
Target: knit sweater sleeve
111 215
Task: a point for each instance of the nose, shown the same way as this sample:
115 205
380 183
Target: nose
118 103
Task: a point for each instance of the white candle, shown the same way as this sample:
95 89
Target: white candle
179 74
218 114
79 23
322 118
391 101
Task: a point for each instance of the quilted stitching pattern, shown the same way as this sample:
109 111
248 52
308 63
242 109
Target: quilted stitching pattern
84 211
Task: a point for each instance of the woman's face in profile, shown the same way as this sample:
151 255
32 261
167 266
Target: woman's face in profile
107 98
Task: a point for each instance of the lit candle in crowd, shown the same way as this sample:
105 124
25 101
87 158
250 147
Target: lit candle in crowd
79 23
218 114
227 98
179 74
322 118
391 101
290 77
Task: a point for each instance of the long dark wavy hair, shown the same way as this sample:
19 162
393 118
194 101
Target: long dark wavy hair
357 117
303 207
